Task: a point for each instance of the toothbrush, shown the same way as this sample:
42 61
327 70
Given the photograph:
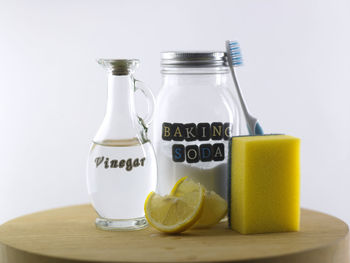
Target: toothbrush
234 60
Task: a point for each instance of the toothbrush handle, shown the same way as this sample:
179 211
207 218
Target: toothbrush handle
253 126
239 92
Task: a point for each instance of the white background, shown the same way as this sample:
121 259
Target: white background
52 92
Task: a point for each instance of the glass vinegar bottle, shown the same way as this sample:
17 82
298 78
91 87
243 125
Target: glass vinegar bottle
121 168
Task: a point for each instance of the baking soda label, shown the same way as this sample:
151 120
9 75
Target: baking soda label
189 132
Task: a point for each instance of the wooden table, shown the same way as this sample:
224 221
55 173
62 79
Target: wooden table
69 235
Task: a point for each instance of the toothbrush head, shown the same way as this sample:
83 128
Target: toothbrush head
234 55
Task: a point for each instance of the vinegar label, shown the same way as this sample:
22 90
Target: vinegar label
128 164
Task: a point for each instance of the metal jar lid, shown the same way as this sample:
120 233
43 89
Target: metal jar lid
193 59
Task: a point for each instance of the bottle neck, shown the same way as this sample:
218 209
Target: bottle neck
120 103
120 121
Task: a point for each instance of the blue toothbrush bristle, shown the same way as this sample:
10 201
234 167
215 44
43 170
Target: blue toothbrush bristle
236 55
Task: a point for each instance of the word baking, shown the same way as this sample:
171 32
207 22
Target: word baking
191 131
128 164
195 153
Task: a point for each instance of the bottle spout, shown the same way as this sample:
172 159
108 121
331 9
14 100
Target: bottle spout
119 67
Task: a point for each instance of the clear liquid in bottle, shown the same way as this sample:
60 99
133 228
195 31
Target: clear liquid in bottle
120 176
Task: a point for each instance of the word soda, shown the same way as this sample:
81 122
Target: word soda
194 154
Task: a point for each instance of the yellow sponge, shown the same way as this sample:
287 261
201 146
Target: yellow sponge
264 184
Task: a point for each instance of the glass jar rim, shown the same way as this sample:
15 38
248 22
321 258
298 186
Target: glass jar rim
194 70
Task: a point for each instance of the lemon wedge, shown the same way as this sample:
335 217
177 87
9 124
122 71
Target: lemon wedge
175 214
214 207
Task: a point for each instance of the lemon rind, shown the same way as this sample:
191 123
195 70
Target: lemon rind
179 182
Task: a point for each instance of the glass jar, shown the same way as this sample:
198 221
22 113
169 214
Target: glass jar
195 116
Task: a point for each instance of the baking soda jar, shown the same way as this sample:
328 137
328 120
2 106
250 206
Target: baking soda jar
195 116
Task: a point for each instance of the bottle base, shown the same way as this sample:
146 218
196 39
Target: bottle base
121 224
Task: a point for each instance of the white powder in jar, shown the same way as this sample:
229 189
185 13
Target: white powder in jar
212 175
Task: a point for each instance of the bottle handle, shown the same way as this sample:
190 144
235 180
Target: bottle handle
139 85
